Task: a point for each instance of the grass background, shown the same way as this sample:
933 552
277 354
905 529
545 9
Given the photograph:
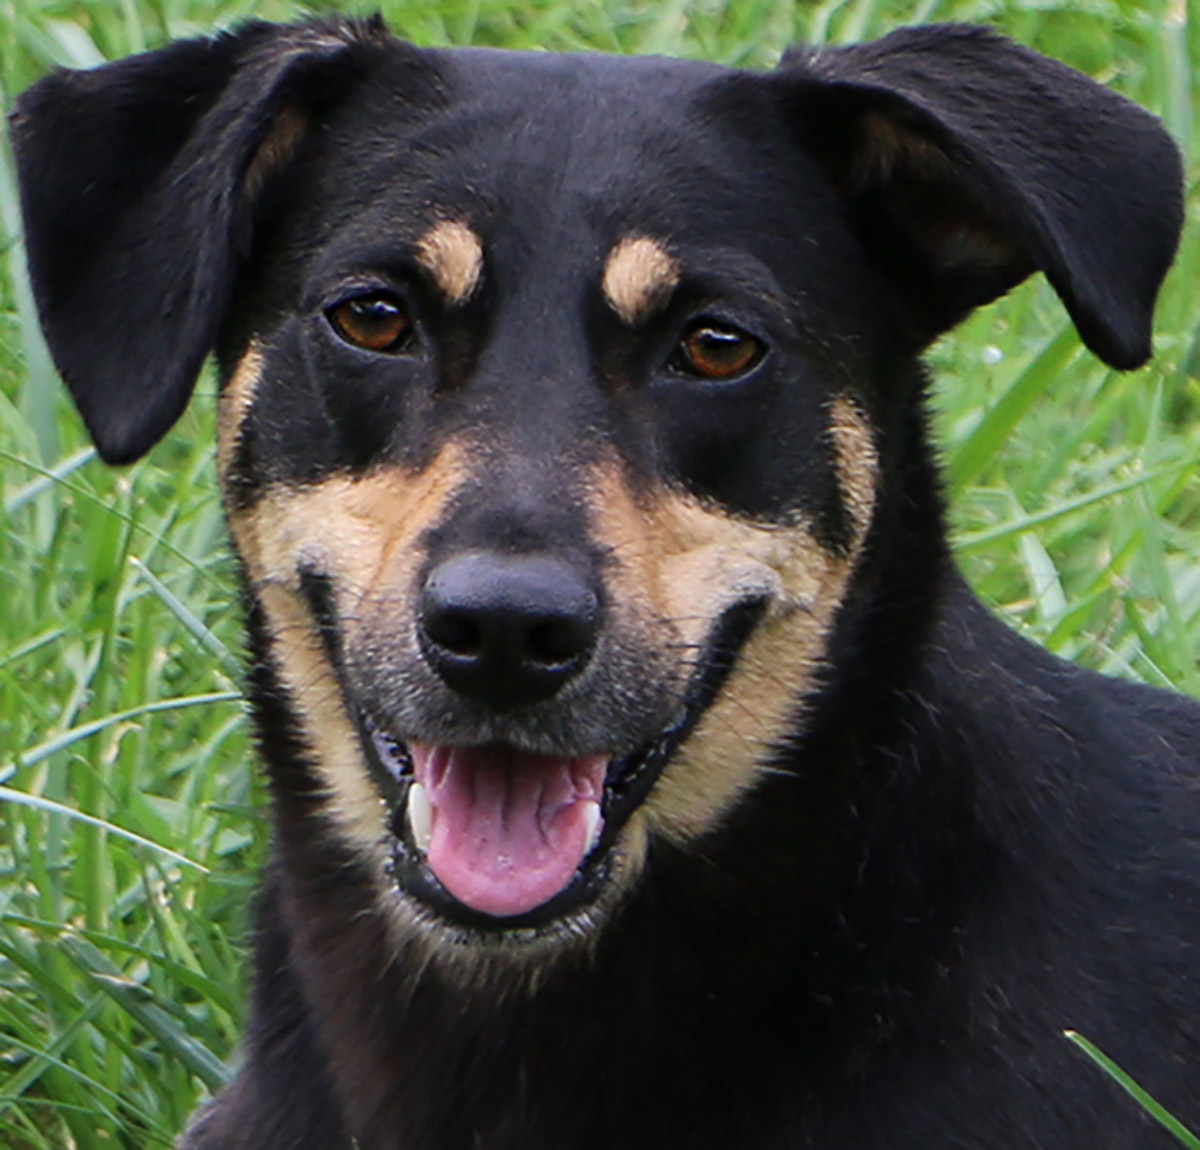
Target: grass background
130 821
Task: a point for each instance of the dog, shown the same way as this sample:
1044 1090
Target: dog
642 772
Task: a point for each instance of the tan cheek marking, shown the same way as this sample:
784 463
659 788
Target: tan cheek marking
724 755
453 255
678 565
639 276
352 529
857 463
354 804
345 525
233 404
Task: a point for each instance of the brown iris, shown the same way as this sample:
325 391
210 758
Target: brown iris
717 351
374 322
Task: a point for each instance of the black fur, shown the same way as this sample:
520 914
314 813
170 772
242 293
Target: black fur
965 847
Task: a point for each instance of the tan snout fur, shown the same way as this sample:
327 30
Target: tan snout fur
679 564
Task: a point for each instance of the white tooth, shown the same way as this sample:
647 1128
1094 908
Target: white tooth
420 816
595 824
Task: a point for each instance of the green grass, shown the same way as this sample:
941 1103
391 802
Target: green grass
130 823
1168 1121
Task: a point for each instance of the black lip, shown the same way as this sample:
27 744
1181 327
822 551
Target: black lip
629 781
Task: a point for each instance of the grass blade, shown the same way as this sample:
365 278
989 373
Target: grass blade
209 641
1157 1112
85 730
49 806
131 996
971 460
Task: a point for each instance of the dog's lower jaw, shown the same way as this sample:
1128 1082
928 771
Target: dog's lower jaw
474 950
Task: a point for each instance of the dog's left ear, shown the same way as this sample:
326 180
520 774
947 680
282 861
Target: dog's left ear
138 183
968 162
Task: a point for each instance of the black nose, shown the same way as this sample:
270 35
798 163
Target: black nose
507 630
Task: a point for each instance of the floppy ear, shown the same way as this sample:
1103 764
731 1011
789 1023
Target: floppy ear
968 162
137 184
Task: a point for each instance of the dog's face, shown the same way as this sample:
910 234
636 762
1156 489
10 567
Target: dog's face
562 397
544 464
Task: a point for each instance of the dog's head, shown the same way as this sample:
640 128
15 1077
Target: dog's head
562 396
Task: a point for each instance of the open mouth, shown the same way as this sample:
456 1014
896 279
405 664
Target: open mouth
493 837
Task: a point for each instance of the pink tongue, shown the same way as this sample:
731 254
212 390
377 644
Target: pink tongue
509 828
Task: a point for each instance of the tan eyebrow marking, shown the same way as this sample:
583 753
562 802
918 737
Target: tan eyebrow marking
453 255
639 276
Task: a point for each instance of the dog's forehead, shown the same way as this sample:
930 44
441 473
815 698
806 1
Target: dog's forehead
515 135
571 97
585 131
534 76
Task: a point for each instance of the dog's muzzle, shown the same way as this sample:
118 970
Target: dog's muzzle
505 831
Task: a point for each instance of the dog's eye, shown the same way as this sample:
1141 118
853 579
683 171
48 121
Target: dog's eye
716 351
375 322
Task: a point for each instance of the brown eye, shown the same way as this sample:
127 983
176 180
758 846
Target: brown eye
376 322
717 351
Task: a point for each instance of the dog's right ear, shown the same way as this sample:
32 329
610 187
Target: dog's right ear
137 182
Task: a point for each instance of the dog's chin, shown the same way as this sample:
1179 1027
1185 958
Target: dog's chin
497 841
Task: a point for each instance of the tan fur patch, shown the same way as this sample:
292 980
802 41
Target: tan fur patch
453 255
363 532
963 237
290 127
857 462
354 802
888 147
679 563
234 403
639 276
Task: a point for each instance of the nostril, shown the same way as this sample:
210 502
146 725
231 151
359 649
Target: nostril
455 632
559 641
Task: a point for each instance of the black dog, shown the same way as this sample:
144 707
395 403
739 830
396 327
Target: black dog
643 773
